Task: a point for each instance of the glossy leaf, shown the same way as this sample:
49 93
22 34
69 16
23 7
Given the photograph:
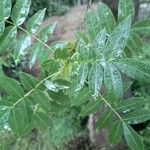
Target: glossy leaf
5 9
142 27
104 119
137 116
132 138
95 79
115 132
113 81
20 11
47 32
35 21
91 107
134 69
117 40
11 86
105 18
125 8
7 37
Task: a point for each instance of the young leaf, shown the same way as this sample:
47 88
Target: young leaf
47 31
5 9
134 69
20 11
95 79
104 120
7 37
91 107
137 116
11 86
125 8
142 27
113 81
35 21
41 99
41 120
117 40
132 138
115 132
105 18
28 81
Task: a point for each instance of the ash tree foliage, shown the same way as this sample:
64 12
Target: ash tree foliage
88 74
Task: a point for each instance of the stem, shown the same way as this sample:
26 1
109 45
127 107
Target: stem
111 108
31 35
28 93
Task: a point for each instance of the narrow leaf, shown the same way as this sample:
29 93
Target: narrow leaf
113 81
132 138
95 79
125 8
115 132
35 21
20 11
2 26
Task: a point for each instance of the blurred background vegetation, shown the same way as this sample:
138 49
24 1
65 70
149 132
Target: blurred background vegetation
67 130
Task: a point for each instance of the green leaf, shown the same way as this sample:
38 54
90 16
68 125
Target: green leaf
125 8
135 43
104 120
60 98
105 18
20 11
46 32
92 24
41 98
28 81
113 81
82 97
91 107
137 116
132 138
95 79
99 42
82 75
35 21
2 26
41 119
5 9
11 87
142 27
115 132
16 121
130 104
35 51
134 69
7 37
117 40
21 46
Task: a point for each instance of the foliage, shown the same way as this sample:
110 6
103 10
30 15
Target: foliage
87 75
